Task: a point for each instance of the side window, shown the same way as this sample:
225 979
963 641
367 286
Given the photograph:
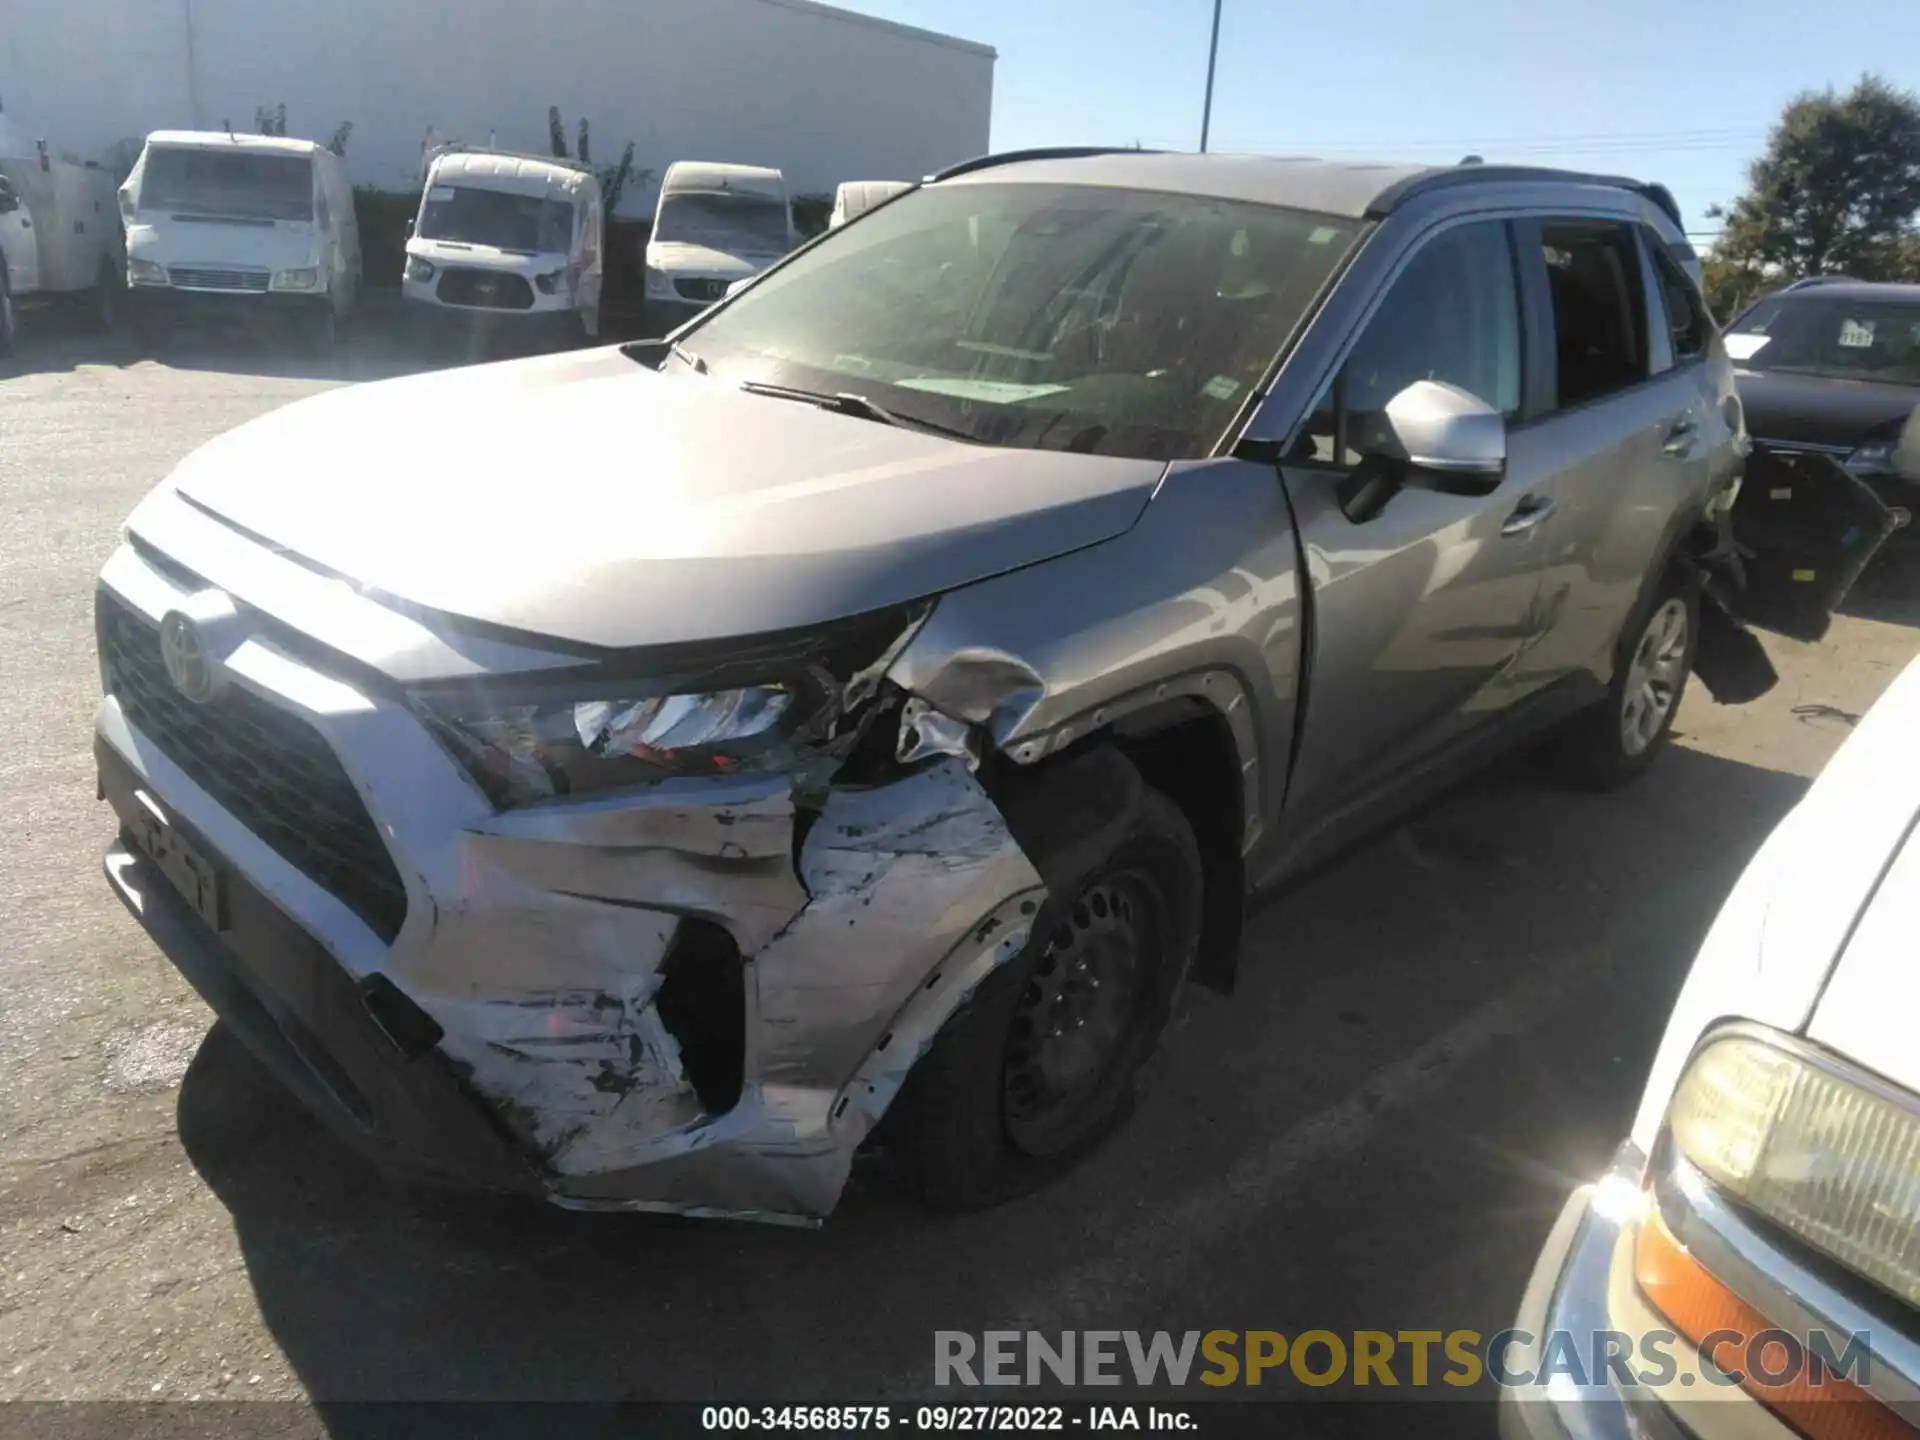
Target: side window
1599 309
1452 314
1686 312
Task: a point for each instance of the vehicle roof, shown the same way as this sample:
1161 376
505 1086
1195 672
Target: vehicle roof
713 175
1357 189
530 174
216 139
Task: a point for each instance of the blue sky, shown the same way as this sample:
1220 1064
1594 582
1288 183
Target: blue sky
1665 90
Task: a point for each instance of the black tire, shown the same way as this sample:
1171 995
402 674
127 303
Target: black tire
1616 740
970 1128
322 334
108 291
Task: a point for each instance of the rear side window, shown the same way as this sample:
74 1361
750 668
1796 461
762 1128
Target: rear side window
1685 311
1599 309
1453 314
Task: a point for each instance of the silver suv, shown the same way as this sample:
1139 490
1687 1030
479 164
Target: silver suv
642 777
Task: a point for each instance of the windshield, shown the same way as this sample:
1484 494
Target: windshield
1114 322
237 183
467 215
727 222
1826 335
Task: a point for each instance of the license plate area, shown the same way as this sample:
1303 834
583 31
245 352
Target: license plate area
198 879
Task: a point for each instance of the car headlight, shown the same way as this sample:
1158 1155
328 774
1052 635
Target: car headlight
520 754
307 278
549 283
145 272
659 284
418 270
1827 1159
1874 459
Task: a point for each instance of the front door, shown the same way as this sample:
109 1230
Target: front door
1626 436
1423 615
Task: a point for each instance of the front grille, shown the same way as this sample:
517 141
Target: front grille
701 289
271 770
202 277
491 289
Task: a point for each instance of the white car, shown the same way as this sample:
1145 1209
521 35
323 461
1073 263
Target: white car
240 227
1771 1182
856 197
508 237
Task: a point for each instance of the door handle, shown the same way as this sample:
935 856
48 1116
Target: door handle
1528 513
1680 436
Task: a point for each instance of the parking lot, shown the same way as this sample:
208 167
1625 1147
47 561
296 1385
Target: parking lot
1431 1043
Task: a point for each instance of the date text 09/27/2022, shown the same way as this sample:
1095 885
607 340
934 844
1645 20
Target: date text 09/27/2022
976 1419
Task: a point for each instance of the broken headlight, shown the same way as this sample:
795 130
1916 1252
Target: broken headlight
541 750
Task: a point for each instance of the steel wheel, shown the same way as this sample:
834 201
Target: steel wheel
1071 1023
1654 677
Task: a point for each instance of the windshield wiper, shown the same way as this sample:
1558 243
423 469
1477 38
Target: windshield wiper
686 357
845 402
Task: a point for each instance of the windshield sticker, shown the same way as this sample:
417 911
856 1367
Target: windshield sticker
999 392
1745 347
1856 334
439 194
1322 236
1221 387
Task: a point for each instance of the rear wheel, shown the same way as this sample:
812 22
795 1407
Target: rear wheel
1618 738
1046 1058
6 314
107 286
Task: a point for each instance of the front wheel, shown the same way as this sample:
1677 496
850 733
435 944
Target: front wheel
6 315
1045 1059
107 288
1618 738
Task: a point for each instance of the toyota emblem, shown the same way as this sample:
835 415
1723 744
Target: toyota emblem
190 666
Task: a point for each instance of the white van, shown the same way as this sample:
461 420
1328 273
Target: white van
240 225
715 224
510 236
856 197
59 235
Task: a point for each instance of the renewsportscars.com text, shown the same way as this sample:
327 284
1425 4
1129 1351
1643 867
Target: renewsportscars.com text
1385 1359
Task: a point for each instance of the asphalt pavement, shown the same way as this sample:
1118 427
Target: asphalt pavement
1432 1042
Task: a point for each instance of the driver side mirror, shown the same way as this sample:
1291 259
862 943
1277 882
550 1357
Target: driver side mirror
1438 437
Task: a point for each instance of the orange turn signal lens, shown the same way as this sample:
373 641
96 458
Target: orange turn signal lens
1819 1404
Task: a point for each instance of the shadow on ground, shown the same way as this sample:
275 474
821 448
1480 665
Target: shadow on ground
1889 589
1231 1199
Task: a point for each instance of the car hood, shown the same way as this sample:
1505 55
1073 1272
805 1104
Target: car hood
590 499
266 245
1815 410
485 257
1797 910
680 258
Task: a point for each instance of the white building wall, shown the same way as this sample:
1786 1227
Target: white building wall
823 94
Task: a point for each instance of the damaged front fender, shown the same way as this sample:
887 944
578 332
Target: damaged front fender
859 927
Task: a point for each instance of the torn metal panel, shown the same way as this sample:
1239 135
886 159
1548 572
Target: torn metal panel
897 874
925 733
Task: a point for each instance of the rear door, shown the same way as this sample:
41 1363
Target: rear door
1624 438
1423 614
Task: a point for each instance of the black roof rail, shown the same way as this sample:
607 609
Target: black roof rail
1480 173
1044 152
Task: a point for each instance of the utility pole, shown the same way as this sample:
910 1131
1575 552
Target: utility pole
1213 53
193 68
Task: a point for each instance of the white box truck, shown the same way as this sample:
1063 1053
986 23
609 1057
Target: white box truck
60 237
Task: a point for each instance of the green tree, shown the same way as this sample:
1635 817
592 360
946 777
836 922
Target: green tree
1836 192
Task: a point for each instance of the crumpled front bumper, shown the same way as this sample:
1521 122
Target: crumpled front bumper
696 997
